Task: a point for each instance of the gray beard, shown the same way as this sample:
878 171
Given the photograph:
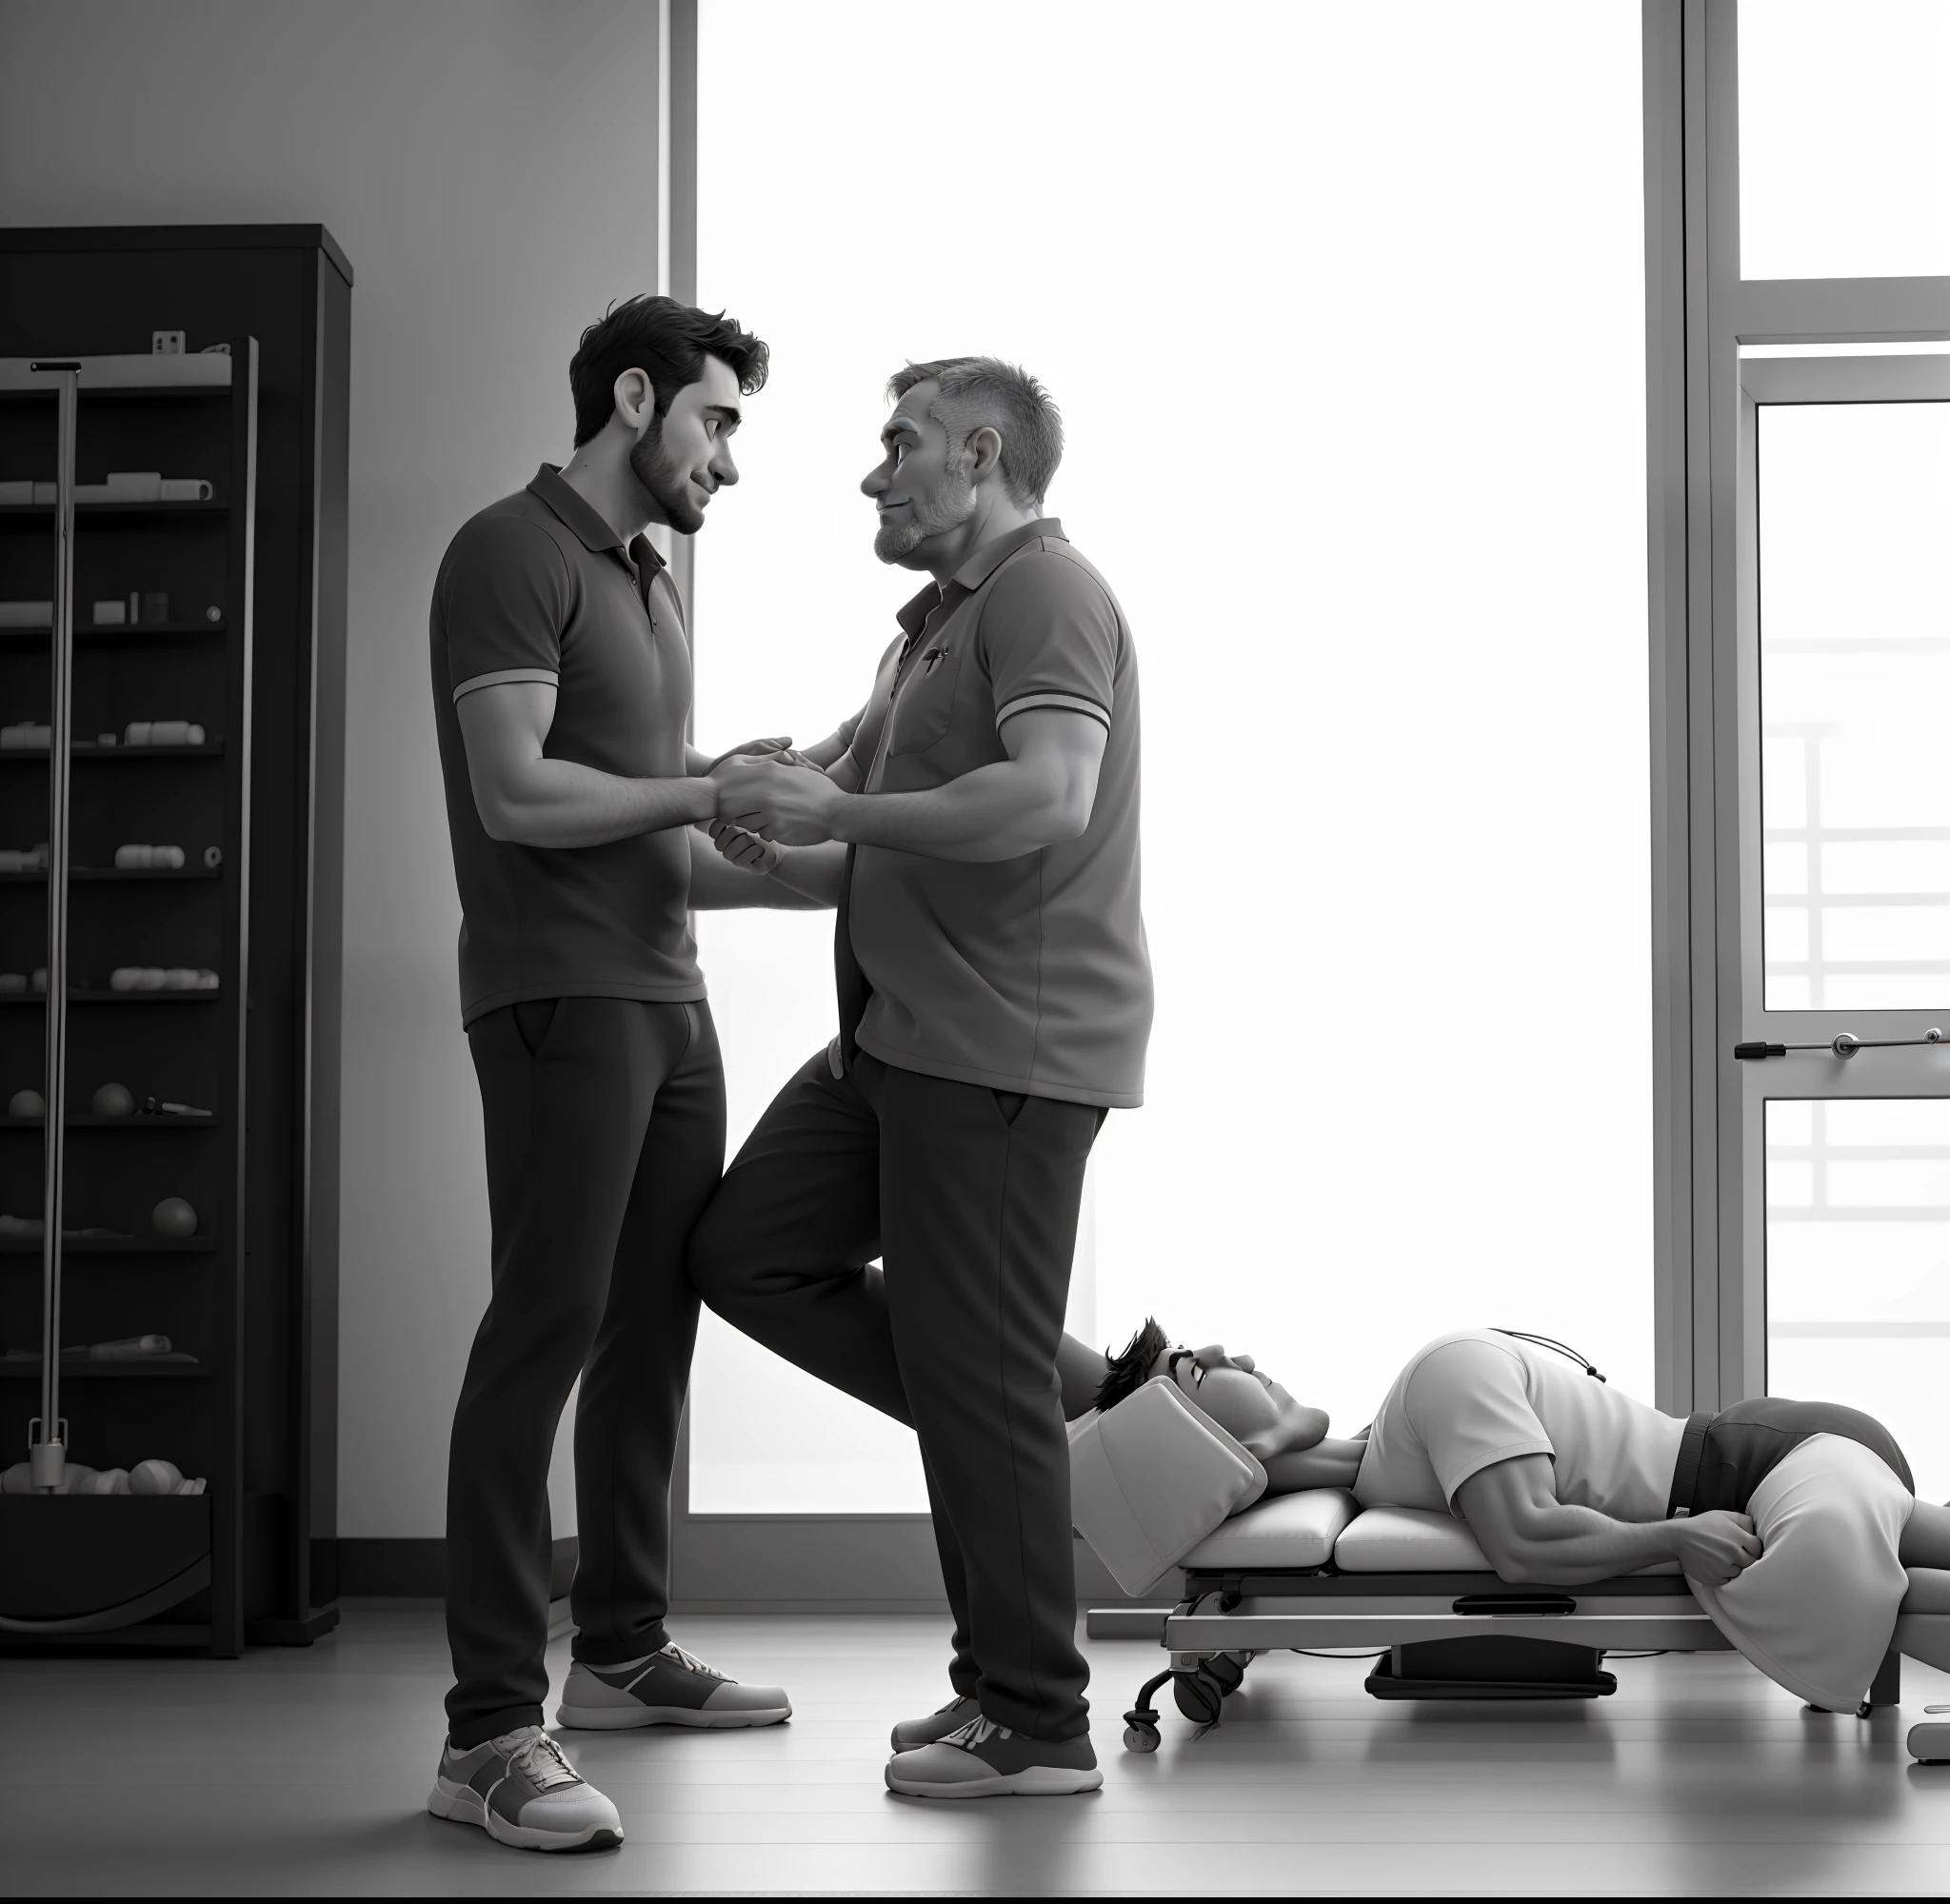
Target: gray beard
652 467
948 509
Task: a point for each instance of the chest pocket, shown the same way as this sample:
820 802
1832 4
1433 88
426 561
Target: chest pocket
924 701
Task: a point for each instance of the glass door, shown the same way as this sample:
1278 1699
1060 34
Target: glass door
1845 625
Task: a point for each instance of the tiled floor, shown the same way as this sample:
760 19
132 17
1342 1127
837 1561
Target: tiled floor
305 1771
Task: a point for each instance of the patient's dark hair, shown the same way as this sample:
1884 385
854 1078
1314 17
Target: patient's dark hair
668 342
1129 1372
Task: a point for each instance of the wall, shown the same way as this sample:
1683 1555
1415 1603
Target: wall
489 167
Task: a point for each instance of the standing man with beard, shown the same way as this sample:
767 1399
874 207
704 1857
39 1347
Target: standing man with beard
561 688
995 998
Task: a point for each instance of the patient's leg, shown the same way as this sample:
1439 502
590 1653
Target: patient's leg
1925 1536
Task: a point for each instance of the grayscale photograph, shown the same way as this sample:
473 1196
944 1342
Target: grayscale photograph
974 947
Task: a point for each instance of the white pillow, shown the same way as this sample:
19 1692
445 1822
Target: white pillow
1151 1478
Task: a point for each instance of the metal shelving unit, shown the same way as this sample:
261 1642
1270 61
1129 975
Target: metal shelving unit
72 1565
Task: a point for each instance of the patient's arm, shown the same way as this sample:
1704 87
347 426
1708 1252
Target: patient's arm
1329 1463
1529 1535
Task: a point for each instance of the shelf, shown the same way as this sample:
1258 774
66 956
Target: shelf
160 1121
79 998
109 874
127 373
27 515
80 1368
112 1245
88 750
139 634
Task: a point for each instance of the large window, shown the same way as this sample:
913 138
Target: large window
1344 306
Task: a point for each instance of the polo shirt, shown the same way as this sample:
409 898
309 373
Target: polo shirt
1027 975
539 587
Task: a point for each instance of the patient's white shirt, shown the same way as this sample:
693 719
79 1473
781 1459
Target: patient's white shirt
1476 1398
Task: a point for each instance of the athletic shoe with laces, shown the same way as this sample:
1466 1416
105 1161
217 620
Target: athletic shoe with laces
984 1761
521 1792
672 1687
936 1725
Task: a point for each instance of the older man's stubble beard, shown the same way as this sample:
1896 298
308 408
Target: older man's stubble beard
651 463
948 508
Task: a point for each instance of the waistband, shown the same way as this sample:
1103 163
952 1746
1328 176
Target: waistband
1685 1472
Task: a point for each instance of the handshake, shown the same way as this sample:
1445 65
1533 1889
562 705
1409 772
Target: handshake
769 796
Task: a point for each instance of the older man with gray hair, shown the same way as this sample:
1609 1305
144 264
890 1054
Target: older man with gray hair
977 824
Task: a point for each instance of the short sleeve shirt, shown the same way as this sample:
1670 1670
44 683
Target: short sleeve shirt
1028 975
1476 1398
538 588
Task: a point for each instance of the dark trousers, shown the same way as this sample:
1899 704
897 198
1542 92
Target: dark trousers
970 1196
605 1133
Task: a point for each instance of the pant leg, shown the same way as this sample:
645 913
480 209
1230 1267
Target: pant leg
565 1127
781 1253
634 1387
980 1197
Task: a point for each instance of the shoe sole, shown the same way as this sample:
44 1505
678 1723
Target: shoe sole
1037 1782
462 1805
628 1718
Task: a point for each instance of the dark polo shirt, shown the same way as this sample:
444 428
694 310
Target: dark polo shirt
1027 975
539 587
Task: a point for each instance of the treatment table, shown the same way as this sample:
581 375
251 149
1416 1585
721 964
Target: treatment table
1313 1571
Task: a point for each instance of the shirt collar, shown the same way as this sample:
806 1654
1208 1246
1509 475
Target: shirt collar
591 530
975 571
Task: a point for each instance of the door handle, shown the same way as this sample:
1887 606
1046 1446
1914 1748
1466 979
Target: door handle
1843 1045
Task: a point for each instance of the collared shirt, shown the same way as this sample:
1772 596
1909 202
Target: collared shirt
539 587
1027 975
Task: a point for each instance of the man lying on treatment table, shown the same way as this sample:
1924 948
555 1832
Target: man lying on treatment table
1793 1521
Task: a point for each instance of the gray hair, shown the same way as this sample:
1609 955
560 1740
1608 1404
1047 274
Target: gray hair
984 390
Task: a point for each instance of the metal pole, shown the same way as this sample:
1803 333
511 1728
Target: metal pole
47 1456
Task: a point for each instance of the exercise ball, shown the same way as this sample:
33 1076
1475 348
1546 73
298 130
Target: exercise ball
173 1217
27 1104
154 1478
114 1101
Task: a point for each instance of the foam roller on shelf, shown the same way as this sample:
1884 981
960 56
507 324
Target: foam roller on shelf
162 734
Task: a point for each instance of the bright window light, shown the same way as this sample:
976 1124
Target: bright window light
1844 144
1344 309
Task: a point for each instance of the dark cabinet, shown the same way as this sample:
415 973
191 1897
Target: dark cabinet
232 616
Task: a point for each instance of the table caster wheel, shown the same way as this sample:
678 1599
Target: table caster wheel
1227 1671
1141 1737
1199 1696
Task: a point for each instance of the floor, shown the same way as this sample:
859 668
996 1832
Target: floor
303 1771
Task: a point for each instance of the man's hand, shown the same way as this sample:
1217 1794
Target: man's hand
791 804
773 743
741 848
1716 1546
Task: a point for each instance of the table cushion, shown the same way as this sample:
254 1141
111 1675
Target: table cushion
1408 1540
1151 1478
1290 1531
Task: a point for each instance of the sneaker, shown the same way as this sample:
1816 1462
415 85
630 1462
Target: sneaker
984 1761
673 1687
936 1725
521 1790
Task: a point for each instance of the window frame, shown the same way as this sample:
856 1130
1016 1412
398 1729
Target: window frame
1710 1273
